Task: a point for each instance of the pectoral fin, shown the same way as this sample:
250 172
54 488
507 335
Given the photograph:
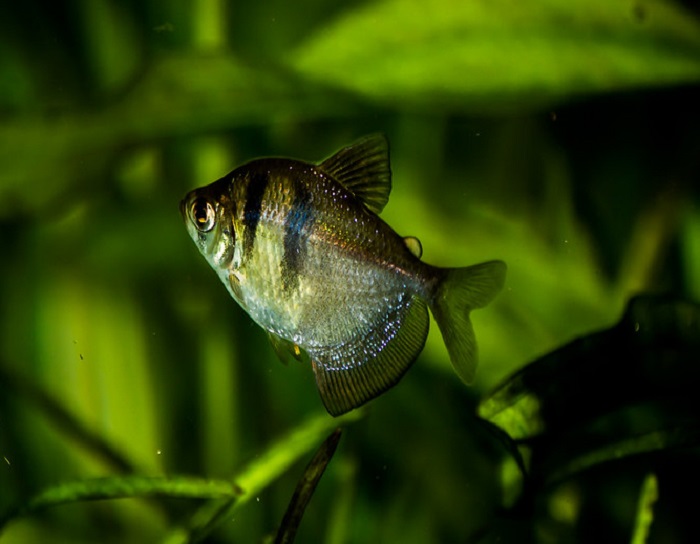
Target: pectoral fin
235 287
287 351
349 375
414 246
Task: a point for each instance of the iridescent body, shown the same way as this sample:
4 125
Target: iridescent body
301 248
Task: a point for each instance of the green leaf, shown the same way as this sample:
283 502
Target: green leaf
645 510
63 419
184 487
246 484
176 96
648 356
622 392
487 52
576 454
260 473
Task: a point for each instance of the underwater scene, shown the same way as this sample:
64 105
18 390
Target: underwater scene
242 243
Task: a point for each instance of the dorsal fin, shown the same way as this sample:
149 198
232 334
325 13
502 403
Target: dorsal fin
363 168
414 246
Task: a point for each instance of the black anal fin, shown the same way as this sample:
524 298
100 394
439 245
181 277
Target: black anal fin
350 375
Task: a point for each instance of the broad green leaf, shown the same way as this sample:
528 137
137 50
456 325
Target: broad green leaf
648 356
177 95
497 52
589 402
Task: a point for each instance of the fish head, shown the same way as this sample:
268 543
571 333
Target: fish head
208 216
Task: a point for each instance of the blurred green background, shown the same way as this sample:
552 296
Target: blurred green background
560 136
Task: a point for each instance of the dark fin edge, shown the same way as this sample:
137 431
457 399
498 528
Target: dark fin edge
343 390
463 290
363 168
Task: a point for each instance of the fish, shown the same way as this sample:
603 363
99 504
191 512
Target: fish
301 248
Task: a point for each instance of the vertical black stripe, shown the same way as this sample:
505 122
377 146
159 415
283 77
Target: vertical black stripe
255 190
298 221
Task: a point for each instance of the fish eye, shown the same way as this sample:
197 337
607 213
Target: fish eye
203 215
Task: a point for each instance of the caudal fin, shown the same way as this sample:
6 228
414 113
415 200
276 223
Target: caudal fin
461 291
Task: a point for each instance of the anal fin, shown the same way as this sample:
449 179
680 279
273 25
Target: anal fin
348 376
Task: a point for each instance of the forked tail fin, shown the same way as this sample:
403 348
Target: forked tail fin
461 291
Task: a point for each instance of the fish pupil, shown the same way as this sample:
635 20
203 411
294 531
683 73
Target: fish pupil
203 215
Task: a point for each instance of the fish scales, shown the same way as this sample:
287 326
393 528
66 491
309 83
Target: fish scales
301 248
